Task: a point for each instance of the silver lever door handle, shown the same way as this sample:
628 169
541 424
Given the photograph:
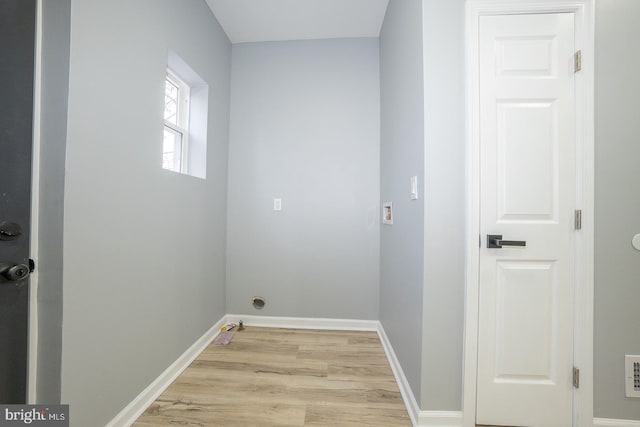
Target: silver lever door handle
494 241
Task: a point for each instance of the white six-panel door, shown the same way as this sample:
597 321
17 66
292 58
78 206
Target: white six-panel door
527 190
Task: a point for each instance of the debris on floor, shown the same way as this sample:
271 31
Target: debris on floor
224 338
228 327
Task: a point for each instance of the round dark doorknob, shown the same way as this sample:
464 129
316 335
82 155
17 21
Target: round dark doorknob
14 273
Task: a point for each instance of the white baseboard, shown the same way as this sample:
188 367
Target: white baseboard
440 419
610 422
403 384
418 418
133 410
305 322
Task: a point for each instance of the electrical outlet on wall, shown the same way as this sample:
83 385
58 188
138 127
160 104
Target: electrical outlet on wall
632 375
277 204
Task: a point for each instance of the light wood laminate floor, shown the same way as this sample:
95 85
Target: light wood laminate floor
285 377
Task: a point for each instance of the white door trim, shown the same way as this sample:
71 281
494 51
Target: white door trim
583 333
32 370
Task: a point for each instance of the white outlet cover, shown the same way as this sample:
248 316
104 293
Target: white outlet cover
277 204
636 241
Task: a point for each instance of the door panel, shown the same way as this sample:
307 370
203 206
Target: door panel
17 41
526 149
524 313
527 152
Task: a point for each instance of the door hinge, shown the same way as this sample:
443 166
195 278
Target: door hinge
576 377
577 61
578 219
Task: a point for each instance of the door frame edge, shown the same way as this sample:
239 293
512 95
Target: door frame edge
584 13
32 362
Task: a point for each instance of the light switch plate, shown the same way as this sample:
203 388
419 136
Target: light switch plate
413 194
277 204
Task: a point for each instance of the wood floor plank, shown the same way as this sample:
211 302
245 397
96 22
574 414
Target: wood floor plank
284 377
344 416
241 415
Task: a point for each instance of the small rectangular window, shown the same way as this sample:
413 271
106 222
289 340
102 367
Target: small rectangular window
176 123
186 117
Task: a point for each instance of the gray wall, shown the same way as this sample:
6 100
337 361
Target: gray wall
290 111
305 128
402 156
444 200
144 248
617 267
53 130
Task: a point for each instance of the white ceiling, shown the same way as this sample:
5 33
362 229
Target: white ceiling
271 20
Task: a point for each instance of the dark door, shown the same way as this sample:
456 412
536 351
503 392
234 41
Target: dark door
17 48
